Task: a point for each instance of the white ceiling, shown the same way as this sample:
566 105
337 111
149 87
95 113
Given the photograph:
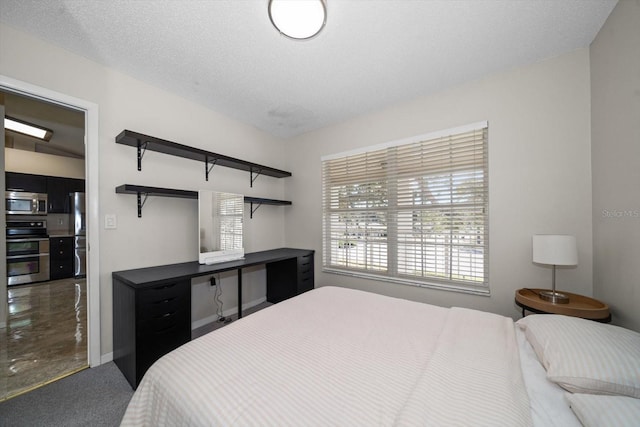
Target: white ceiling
371 54
67 126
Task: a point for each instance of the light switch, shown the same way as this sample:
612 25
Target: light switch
110 222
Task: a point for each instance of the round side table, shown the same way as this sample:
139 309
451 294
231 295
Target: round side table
578 305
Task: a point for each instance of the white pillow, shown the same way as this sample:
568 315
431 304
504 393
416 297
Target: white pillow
599 411
584 356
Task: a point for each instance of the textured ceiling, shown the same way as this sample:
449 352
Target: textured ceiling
67 126
371 54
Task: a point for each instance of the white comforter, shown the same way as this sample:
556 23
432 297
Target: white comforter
340 357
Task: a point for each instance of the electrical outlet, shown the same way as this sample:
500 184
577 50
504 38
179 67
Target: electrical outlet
212 281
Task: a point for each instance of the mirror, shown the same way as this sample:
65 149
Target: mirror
220 218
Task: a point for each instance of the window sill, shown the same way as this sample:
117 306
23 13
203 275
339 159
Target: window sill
473 290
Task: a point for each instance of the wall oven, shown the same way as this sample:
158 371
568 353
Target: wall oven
27 252
24 203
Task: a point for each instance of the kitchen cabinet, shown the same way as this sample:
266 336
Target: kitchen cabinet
60 257
25 182
58 189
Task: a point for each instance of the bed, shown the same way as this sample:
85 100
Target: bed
336 356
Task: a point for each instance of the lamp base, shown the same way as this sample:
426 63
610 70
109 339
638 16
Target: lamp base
554 297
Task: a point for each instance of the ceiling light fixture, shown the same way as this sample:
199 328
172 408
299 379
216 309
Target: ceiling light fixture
298 19
28 129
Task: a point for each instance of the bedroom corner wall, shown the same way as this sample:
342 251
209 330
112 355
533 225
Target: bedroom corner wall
168 230
539 174
615 117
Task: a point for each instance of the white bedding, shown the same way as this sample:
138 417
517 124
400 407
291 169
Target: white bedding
336 356
549 407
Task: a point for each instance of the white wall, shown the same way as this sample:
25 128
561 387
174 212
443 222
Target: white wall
539 174
42 164
615 115
167 231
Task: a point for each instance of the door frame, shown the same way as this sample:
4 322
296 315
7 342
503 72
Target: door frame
91 142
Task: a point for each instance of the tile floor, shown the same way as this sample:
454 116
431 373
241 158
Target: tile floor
46 335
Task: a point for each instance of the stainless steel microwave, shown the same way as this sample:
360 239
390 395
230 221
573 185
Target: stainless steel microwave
24 203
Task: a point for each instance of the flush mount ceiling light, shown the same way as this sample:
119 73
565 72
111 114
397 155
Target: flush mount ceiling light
298 19
28 129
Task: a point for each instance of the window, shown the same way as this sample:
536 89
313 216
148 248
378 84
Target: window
413 211
230 211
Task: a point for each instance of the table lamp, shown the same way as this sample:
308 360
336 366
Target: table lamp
554 249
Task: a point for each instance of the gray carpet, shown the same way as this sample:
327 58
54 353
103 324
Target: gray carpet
93 397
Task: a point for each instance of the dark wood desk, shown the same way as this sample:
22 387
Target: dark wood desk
152 306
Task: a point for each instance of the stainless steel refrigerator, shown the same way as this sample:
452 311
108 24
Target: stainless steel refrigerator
79 232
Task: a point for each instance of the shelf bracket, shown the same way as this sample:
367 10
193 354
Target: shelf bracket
253 178
207 168
141 202
142 148
253 210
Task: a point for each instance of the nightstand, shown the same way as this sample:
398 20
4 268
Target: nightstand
578 305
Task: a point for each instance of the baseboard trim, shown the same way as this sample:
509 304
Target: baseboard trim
106 358
226 313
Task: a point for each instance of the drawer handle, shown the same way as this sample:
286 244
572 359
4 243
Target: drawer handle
169 314
306 271
166 330
159 288
306 263
164 301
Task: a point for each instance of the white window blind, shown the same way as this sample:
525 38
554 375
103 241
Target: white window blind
230 210
412 211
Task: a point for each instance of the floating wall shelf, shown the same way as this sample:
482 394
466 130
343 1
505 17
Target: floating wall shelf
142 192
259 202
145 142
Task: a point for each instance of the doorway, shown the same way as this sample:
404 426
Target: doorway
82 294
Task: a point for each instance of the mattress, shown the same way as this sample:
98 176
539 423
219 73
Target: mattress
336 356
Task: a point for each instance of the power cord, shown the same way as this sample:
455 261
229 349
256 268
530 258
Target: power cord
217 294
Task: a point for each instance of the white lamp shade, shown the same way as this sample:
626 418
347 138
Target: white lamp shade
555 249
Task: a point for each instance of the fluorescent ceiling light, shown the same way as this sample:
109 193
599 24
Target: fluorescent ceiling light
28 129
298 19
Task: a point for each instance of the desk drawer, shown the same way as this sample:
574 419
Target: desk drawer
305 273
161 306
162 293
305 261
161 325
305 285
153 346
